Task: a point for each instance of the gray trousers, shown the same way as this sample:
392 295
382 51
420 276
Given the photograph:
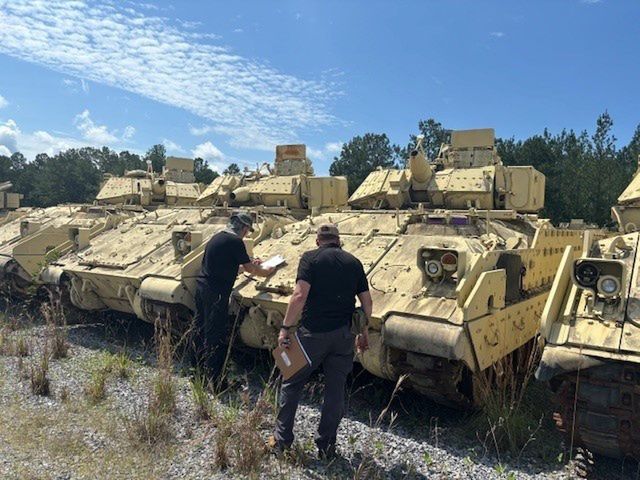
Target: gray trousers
334 352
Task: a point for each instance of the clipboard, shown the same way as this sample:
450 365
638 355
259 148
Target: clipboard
291 360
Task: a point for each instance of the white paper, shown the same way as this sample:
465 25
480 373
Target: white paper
274 261
285 359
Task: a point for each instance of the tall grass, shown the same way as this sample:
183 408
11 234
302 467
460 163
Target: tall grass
509 420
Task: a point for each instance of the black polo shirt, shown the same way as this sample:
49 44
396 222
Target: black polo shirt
336 277
224 253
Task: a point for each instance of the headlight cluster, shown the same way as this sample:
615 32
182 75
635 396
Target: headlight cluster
603 277
439 263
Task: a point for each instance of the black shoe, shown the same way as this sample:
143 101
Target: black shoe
328 452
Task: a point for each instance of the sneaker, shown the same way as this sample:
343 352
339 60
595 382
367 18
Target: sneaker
277 448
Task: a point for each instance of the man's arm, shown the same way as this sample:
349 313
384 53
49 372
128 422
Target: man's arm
366 302
256 269
294 309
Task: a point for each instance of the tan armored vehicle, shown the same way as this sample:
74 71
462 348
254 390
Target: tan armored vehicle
591 328
28 243
290 183
458 263
175 186
148 265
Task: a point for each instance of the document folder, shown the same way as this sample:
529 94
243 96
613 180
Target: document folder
293 359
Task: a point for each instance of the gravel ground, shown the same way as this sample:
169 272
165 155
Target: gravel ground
67 436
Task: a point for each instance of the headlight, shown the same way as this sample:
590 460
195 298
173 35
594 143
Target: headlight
587 274
449 262
608 286
433 268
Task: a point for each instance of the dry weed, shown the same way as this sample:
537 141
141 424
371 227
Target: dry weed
96 390
56 324
238 439
502 387
38 375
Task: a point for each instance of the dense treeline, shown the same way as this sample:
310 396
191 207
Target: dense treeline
74 176
585 173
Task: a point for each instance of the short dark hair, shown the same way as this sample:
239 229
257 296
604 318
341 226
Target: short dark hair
329 238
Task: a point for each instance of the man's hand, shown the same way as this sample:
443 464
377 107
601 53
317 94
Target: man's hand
257 261
283 338
362 341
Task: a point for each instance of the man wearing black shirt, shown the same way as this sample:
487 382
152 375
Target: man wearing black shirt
327 283
224 253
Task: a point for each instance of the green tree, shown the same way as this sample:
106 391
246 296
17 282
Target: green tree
232 169
157 154
362 155
434 136
202 172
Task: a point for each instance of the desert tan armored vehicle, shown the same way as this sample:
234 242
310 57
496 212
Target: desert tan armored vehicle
591 328
459 266
290 183
31 241
175 186
148 265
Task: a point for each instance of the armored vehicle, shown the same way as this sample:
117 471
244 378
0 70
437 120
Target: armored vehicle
458 262
290 183
31 241
591 329
148 265
175 186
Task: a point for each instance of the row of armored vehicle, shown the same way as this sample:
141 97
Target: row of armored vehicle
460 266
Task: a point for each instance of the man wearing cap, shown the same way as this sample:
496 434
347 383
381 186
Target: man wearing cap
327 283
223 256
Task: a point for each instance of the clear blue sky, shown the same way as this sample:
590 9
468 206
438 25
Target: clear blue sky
227 80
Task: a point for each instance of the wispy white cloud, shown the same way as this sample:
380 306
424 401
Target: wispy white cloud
238 30
497 34
199 131
156 57
12 140
171 146
92 132
333 147
128 133
3 102
9 132
330 150
76 85
590 2
208 151
100 134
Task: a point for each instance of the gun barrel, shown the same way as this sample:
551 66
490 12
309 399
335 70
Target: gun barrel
241 195
420 169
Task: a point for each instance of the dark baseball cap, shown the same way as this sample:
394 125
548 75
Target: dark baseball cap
244 218
328 230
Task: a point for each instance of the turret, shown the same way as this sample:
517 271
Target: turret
175 186
289 183
467 173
